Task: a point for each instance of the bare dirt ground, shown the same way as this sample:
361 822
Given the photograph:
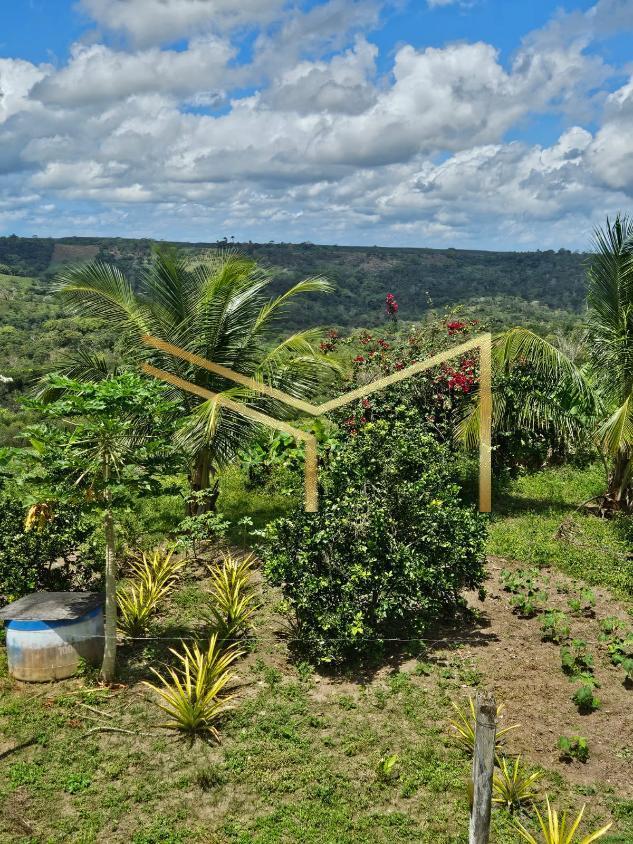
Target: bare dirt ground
525 673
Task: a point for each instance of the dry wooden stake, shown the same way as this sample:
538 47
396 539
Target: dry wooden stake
483 768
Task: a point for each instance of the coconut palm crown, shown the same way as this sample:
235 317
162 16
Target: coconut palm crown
217 307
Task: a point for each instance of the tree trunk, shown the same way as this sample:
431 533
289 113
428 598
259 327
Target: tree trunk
108 666
201 480
619 493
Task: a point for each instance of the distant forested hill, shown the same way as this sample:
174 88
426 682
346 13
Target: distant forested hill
419 278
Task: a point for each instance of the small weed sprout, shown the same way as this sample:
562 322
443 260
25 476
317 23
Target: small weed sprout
573 747
386 768
555 627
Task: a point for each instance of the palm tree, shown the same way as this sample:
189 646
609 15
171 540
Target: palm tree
598 393
214 307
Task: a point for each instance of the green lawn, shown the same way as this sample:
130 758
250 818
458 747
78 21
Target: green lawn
527 520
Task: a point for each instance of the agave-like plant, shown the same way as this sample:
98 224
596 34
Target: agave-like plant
153 577
556 830
193 695
136 604
512 787
598 392
465 726
233 599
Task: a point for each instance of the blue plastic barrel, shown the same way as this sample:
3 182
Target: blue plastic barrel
40 650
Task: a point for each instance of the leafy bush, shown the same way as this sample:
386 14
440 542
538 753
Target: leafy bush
57 553
194 531
390 549
527 596
573 747
575 658
582 603
611 627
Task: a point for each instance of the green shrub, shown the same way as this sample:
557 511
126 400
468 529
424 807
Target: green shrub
58 554
575 658
390 549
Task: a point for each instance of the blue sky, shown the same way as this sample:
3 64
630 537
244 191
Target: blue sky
465 123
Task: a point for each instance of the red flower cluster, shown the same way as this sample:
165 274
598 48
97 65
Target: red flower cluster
359 359
391 306
462 379
458 326
366 338
329 344
455 327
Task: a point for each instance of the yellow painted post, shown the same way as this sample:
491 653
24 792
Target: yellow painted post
485 424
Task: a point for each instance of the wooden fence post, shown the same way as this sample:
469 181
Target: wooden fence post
483 768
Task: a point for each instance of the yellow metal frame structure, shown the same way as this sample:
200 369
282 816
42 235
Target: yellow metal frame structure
483 342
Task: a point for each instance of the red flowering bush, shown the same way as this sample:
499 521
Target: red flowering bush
391 306
437 395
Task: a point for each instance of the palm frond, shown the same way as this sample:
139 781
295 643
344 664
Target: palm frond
616 433
317 284
101 290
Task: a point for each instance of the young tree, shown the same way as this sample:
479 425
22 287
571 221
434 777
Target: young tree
216 308
102 444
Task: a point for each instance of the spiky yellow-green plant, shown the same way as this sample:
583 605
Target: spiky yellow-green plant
556 831
233 598
513 786
136 604
158 569
153 576
193 695
465 726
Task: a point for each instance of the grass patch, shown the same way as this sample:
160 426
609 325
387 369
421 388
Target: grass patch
527 519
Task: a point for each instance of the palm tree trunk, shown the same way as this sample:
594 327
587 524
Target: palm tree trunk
619 492
201 479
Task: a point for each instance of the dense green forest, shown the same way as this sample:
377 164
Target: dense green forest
419 278
540 290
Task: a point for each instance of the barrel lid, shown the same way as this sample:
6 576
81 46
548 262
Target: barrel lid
52 606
